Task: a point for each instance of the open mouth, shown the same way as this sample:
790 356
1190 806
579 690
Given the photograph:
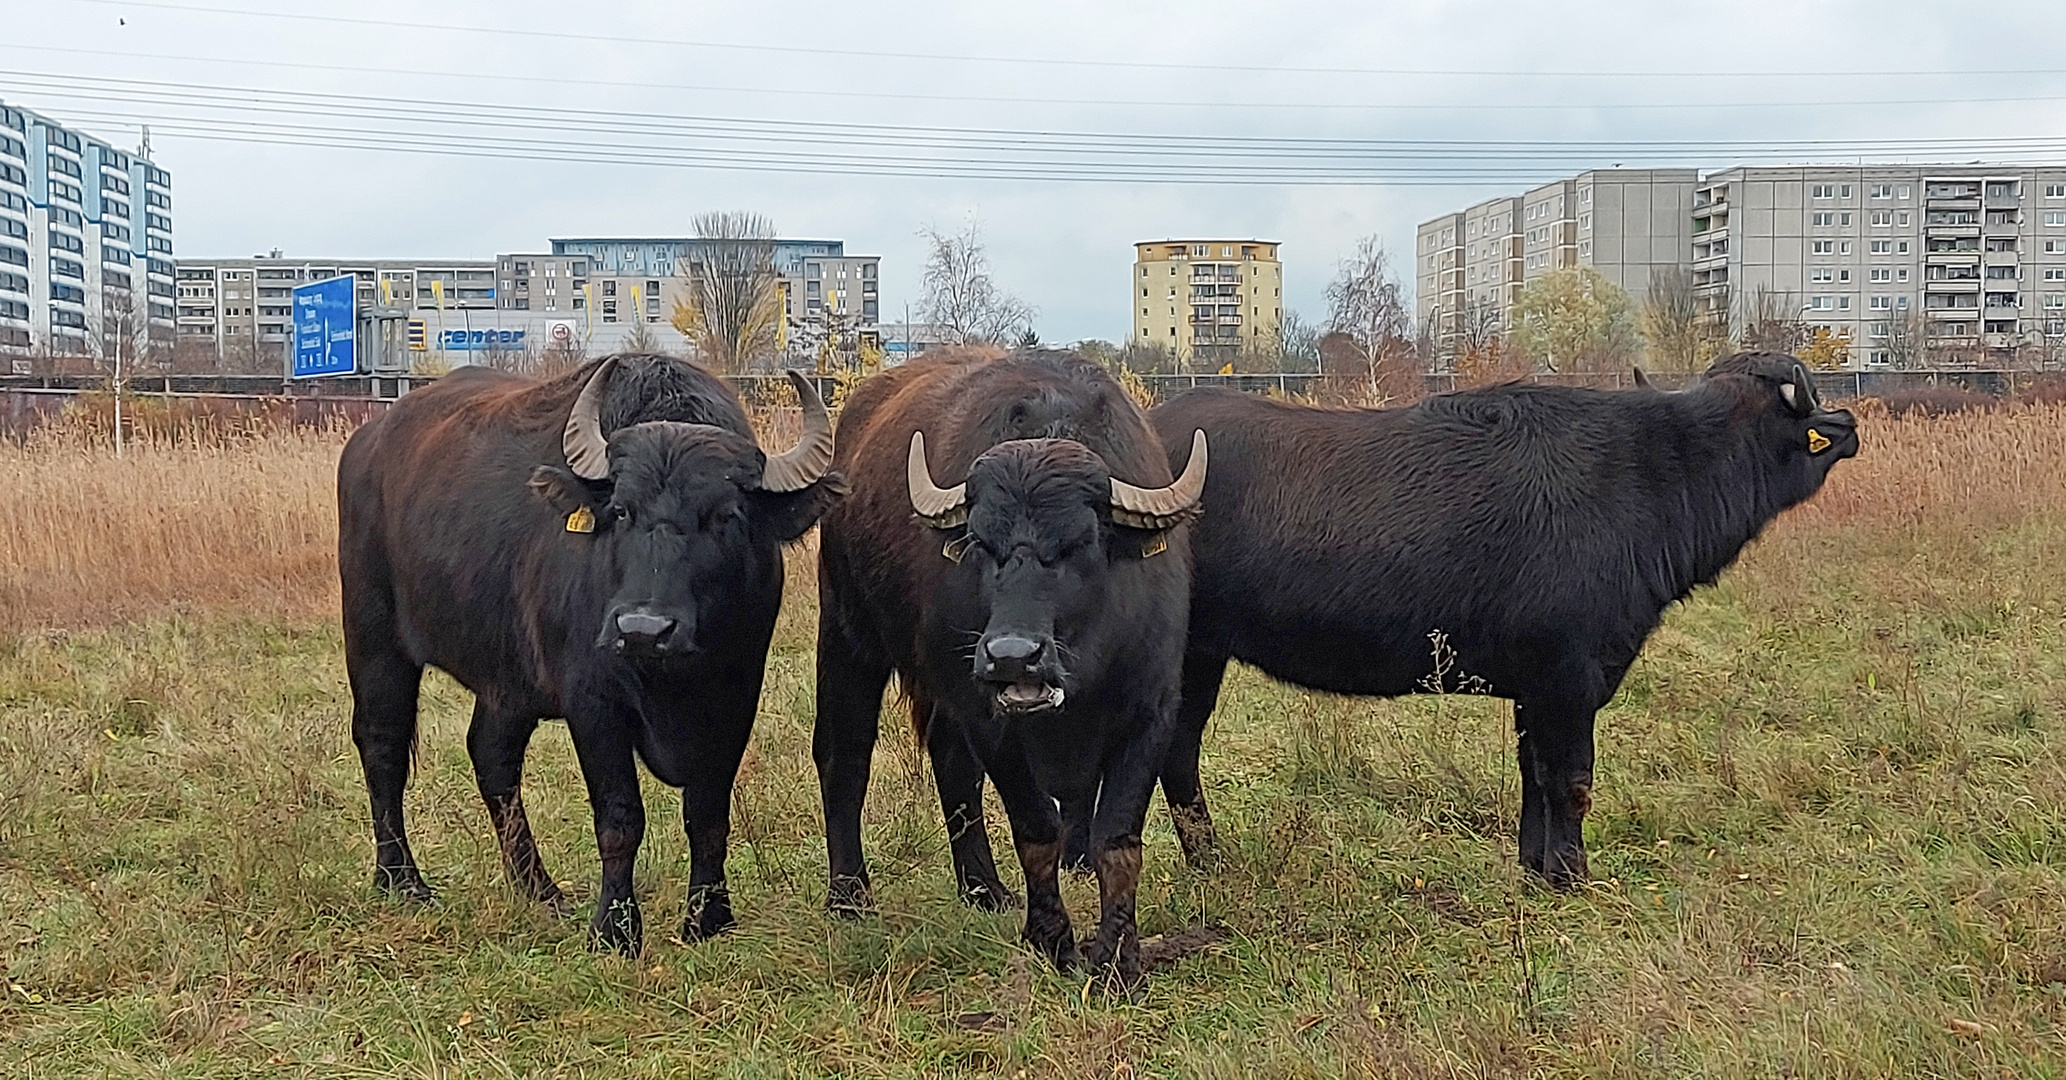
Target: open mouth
1025 697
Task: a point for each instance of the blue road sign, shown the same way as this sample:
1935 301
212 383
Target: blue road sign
326 328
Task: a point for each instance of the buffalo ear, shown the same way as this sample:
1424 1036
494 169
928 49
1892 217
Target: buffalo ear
562 490
787 515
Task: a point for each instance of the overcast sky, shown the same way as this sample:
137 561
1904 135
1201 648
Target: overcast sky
1600 72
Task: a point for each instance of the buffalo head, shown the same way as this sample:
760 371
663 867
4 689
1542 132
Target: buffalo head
1807 437
673 509
1040 524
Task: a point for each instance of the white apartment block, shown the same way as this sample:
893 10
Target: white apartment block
242 309
85 243
1976 253
1625 223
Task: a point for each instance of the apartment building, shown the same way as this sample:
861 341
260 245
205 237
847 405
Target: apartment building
1896 259
85 243
1624 223
821 286
241 309
1207 299
1965 261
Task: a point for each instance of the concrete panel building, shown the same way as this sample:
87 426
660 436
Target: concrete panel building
1963 262
1625 223
1206 299
240 310
85 243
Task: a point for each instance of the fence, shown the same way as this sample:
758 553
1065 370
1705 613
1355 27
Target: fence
30 400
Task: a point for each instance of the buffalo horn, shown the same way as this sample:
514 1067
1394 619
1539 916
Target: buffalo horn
588 452
939 507
801 465
1642 380
1160 508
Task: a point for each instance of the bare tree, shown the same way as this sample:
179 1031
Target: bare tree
1298 344
1769 320
641 339
1670 319
1478 325
1369 331
961 298
732 312
1903 340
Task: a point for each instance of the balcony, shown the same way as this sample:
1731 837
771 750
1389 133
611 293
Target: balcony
1952 258
1952 232
1952 285
1952 313
1964 201
1998 258
1996 313
2003 228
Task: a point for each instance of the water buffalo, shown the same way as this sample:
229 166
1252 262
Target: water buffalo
1543 530
605 547
1033 610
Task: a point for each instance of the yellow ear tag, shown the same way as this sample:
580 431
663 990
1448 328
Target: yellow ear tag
1155 545
581 521
1817 442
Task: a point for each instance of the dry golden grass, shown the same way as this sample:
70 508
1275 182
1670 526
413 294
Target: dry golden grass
245 524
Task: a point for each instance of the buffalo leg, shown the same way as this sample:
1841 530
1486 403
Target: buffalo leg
706 807
1556 758
1181 787
384 687
843 746
959 776
605 753
496 742
1129 782
1036 830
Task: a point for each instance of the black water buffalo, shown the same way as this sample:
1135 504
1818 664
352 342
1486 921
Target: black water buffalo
604 547
1033 611
1542 530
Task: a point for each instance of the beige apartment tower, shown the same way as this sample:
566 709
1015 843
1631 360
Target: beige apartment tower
1207 299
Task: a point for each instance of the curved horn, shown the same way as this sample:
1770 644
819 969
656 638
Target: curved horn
1642 380
801 465
588 452
1160 508
940 507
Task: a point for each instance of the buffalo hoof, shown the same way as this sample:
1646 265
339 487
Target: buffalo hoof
1565 869
403 883
1118 965
1049 933
850 898
618 927
710 914
1195 833
988 896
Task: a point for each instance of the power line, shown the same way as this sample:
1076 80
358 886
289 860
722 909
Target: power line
1145 65
164 93
1326 106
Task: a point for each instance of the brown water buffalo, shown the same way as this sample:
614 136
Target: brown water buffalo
1014 549
1541 530
604 547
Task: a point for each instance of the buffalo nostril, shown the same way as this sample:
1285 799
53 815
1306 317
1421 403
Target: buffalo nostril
1012 648
645 625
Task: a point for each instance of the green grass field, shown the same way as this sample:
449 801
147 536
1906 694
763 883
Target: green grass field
1830 831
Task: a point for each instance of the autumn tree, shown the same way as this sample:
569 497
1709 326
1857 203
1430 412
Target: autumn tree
732 311
1573 320
961 298
1825 351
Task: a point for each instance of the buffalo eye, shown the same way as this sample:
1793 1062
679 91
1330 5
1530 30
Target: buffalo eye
620 513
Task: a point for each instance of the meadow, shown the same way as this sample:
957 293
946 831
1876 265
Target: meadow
1829 830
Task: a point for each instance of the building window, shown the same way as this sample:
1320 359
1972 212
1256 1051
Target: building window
1823 247
2055 274
2054 300
1882 303
2054 219
1825 219
1822 191
1882 274
1821 274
